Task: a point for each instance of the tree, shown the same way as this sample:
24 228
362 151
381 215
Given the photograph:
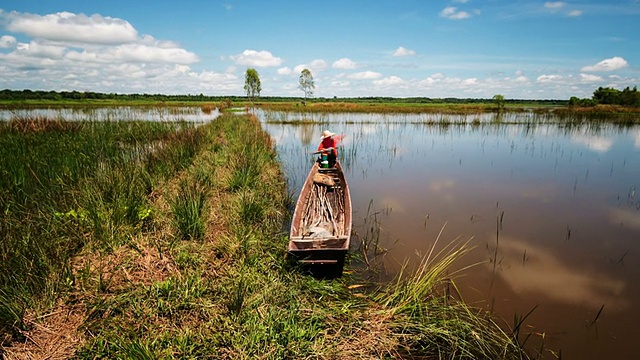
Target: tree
499 100
306 84
630 97
609 96
252 83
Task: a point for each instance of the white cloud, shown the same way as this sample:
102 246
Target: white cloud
574 13
389 81
135 53
400 51
615 63
285 71
340 84
344 63
471 81
548 78
318 65
554 5
182 68
257 58
590 78
7 41
314 66
452 13
365 75
69 27
435 78
36 49
548 274
146 53
596 143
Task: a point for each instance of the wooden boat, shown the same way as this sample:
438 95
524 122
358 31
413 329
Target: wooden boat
321 224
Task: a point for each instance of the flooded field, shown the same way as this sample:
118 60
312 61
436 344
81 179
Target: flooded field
551 209
115 113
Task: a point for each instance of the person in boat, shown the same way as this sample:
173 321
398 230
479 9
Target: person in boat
329 145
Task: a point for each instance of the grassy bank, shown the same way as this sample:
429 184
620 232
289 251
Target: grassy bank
168 242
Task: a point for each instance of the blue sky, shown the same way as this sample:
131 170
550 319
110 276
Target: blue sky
353 48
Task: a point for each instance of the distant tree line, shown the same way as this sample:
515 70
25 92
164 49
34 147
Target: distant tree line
610 96
89 95
23 95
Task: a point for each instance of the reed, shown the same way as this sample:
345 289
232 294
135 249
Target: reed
154 293
66 184
187 207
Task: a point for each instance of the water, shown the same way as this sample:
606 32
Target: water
552 210
116 113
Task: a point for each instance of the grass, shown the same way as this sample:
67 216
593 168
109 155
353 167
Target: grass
65 185
179 252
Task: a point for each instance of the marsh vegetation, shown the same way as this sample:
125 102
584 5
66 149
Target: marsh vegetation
156 239
549 201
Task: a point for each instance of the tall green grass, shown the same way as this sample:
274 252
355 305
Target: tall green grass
187 207
154 287
67 184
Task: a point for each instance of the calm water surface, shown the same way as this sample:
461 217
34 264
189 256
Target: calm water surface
115 113
552 210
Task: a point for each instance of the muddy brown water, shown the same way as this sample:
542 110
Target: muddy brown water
553 212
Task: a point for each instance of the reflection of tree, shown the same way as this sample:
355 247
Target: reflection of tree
306 133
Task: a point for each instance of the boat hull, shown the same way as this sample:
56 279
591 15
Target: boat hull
321 225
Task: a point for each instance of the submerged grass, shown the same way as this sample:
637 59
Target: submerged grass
180 253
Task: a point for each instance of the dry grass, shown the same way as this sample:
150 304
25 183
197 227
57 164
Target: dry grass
54 335
42 124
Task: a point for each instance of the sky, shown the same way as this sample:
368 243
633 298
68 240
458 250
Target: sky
520 49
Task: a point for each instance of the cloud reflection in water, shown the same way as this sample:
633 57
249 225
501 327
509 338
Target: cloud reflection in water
544 273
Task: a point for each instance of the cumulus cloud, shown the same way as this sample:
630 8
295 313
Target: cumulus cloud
69 27
389 81
551 276
615 63
599 144
339 84
365 75
314 66
36 49
452 13
344 63
95 53
548 78
400 51
470 81
590 78
7 41
574 13
435 78
554 5
134 53
284 71
317 65
145 53
257 59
